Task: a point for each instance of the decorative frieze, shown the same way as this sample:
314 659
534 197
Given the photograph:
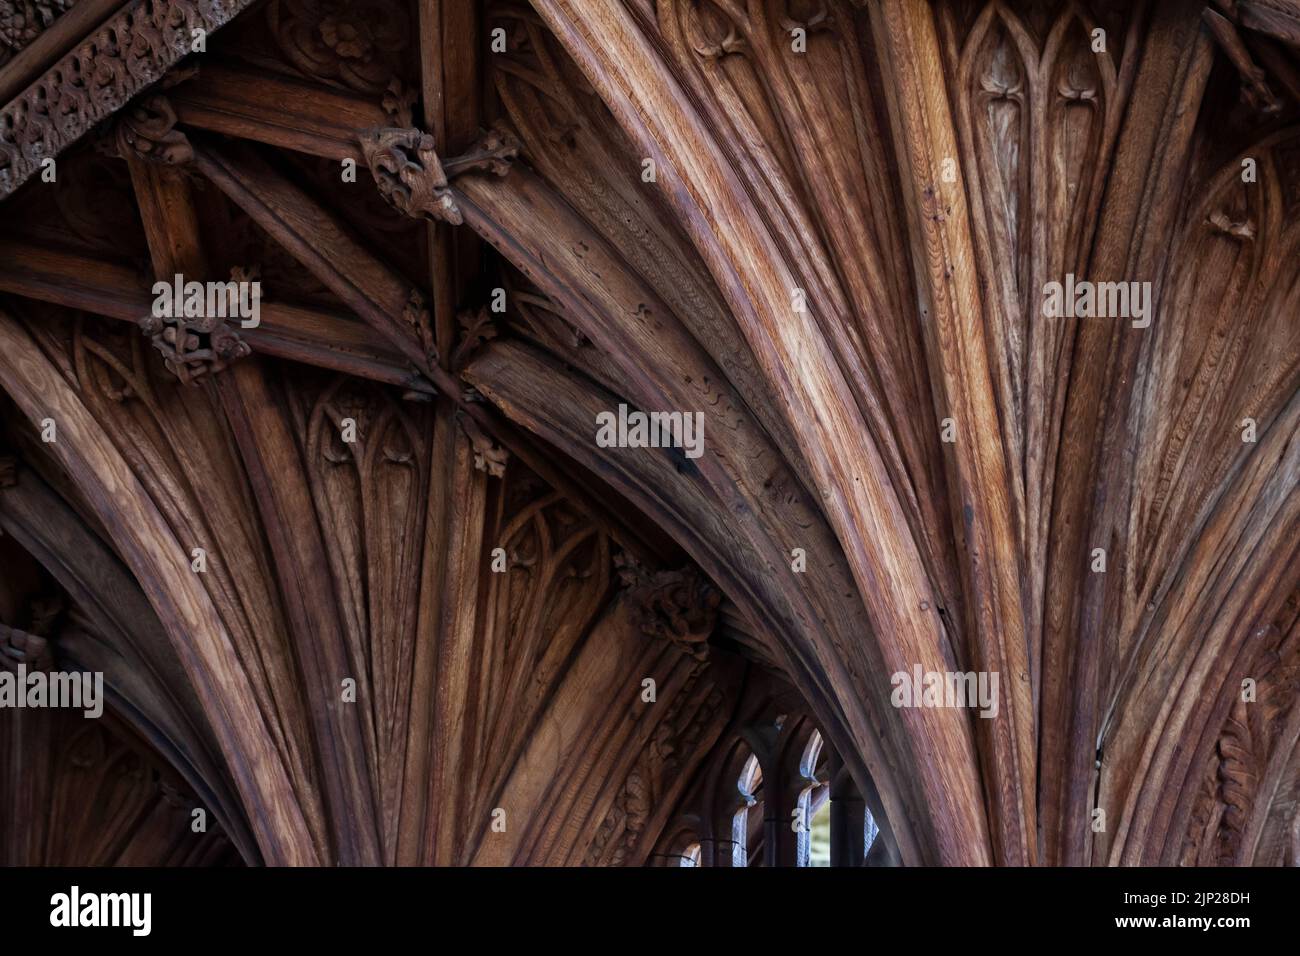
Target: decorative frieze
22 21
128 52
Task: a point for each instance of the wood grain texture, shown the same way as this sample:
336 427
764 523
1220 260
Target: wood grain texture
828 228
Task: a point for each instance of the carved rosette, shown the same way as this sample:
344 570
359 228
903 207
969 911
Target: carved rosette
680 607
358 43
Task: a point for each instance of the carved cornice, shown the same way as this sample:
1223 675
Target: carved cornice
127 53
22 21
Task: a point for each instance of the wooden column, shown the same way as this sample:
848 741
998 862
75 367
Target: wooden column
848 817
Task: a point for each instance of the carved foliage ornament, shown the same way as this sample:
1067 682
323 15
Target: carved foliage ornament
1253 731
192 346
488 455
131 50
680 607
22 21
412 177
148 129
358 44
408 173
476 329
659 762
416 315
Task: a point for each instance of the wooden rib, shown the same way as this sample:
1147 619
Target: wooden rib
298 333
430 822
1090 507
663 366
980 476
378 294
317 239
269 453
535 392
237 100
732 234
1276 18
161 564
129 644
449 74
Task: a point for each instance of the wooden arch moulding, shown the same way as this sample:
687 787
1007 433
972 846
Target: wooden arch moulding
972 326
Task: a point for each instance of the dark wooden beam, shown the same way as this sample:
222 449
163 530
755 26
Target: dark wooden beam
320 241
297 333
235 99
1276 18
450 108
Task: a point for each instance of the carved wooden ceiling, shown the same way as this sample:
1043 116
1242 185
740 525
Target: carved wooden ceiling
363 584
